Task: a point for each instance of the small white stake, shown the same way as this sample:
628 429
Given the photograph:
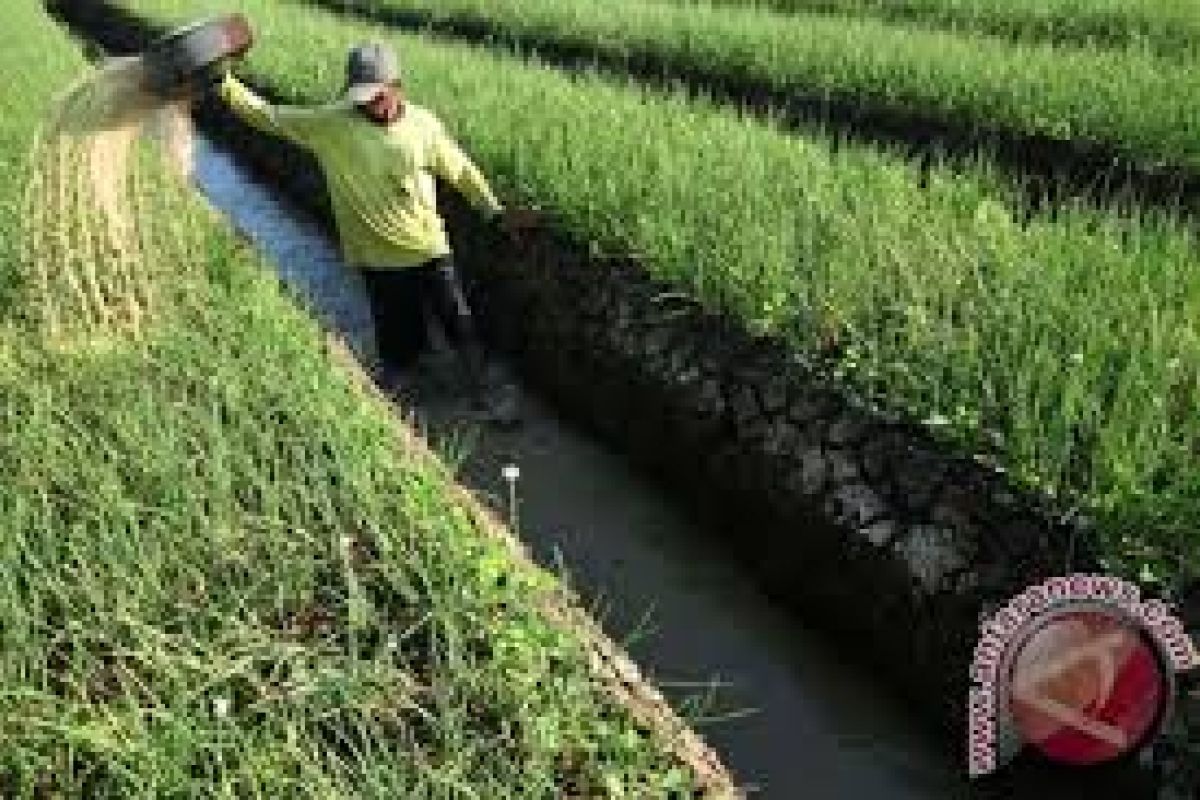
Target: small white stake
511 474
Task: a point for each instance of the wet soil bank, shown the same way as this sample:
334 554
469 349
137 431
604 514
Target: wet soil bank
1048 170
874 532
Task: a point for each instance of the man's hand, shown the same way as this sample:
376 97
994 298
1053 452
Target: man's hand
517 221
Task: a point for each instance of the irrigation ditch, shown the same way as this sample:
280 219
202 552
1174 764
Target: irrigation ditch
888 540
759 681
1045 169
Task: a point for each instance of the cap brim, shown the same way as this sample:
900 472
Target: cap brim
361 93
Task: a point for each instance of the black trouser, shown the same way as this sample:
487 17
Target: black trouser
399 299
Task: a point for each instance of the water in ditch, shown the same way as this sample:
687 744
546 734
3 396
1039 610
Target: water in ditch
788 716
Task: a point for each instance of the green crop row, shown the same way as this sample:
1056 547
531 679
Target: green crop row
1021 89
1069 344
223 573
1165 27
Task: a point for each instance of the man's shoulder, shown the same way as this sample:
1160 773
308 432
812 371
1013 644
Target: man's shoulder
423 116
325 113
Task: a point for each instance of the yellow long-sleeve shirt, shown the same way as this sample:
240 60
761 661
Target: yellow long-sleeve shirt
380 178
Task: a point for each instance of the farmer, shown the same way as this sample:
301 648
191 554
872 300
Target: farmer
379 154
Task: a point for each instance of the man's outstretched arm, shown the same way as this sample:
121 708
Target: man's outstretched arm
294 124
454 166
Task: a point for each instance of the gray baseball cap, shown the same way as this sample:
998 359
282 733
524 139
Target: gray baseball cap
370 67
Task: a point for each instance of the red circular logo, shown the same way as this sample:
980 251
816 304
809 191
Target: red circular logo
1087 687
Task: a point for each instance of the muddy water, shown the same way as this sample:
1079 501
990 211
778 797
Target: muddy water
788 717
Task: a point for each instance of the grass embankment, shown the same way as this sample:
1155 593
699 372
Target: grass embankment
1165 27
224 574
1018 89
1066 346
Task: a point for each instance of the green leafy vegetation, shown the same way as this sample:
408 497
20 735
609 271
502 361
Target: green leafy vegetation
1022 89
226 574
1166 27
1066 346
